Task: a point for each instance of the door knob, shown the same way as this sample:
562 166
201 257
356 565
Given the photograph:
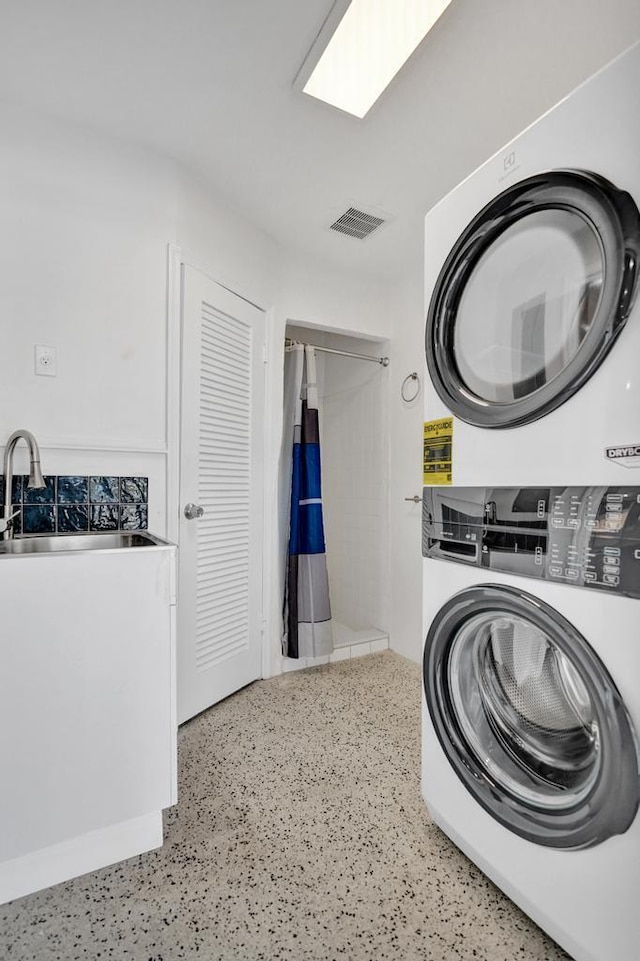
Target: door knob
192 511
416 499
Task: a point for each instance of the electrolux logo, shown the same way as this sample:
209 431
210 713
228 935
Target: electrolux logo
509 165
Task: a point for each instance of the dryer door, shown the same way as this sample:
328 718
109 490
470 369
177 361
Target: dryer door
530 719
531 298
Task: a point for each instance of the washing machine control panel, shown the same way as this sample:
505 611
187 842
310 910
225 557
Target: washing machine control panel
584 536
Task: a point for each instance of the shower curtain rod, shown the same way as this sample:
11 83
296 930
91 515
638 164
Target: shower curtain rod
384 361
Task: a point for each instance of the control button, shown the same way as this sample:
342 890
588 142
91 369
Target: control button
610 579
573 522
555 571
614 497
590 523
636 555
612 551
613 560
610 508
611 570
537 556
590 576
570 573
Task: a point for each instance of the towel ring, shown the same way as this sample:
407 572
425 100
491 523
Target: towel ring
403 389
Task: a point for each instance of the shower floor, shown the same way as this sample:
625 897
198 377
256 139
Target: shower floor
344 636
347 643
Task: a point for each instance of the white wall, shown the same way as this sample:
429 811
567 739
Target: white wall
356 490
83 268
405 478
325 297
218 239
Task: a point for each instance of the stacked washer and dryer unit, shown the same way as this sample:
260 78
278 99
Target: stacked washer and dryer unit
531 518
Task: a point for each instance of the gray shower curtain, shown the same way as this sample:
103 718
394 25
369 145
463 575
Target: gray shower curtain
307 610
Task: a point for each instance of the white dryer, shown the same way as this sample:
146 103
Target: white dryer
531 275
531 700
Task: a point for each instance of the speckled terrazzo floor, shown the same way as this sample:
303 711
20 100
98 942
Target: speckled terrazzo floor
300 834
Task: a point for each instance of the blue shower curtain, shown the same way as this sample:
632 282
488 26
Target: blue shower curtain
307 609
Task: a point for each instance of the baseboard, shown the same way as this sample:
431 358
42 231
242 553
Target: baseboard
69 859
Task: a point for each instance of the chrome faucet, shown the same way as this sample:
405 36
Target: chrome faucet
36 479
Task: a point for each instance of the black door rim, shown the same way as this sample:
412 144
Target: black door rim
615 220
612 800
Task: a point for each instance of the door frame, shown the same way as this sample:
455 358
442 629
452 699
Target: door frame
176 257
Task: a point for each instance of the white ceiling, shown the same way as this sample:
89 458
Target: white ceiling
209 82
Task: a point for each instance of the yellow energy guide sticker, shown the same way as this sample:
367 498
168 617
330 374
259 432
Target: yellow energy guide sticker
437 451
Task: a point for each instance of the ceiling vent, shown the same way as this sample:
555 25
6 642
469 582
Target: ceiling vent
356 223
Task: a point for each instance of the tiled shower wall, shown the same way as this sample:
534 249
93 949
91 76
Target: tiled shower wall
355 487
73 503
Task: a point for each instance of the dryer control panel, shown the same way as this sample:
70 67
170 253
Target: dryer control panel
584 536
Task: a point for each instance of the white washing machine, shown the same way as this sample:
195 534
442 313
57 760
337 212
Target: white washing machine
533 323
531 700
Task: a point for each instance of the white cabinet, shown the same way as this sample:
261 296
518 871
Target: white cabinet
87 711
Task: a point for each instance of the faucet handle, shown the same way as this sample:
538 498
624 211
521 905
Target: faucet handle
5 522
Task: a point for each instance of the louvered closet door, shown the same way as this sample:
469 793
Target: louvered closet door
221 458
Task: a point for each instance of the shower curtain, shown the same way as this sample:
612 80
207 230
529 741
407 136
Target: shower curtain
307 610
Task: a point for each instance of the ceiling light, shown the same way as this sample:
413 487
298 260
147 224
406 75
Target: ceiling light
374 38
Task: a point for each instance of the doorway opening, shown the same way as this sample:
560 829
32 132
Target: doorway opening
354 444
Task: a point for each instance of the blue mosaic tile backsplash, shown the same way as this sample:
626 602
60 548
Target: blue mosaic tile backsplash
77 504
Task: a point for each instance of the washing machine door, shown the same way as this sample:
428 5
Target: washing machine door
532 297
530 719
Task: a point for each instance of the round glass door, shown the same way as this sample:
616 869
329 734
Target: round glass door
531 298
530 719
